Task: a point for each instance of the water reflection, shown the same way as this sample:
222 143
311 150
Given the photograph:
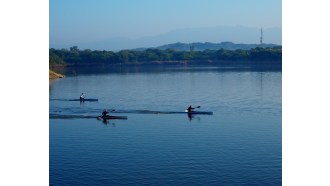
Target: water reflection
190 116
107 122
193 117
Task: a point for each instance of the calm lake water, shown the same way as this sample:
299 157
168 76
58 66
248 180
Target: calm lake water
240 144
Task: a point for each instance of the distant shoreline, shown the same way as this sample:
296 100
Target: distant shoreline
256 56
221 63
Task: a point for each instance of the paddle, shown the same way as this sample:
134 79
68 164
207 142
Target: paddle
193 108
109 111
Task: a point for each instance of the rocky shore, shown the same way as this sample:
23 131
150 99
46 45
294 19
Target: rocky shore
54 75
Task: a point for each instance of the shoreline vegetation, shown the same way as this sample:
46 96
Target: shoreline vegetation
255 57
54 75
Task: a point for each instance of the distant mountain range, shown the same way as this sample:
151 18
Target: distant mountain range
207 45
210 35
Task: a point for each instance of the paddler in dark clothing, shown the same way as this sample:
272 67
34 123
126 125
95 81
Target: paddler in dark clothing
104 113
190 108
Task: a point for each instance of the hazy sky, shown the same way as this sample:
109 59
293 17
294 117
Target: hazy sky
76 21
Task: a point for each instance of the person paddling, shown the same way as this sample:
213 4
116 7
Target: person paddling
190 108
82 97
104 113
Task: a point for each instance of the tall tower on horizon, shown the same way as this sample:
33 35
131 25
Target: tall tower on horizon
261 37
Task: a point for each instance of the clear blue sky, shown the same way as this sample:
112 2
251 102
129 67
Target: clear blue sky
90 20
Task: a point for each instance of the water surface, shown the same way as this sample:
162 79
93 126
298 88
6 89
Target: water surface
240 144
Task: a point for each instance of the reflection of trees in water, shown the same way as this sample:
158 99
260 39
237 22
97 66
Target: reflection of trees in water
127 69
50 86
74 72
51 82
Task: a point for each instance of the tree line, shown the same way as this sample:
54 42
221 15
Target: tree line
75 56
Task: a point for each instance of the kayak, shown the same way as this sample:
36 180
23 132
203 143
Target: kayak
199 112
63 116
60 116
161 112
83 100
111 117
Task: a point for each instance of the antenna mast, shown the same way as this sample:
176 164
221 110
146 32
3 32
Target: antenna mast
261 37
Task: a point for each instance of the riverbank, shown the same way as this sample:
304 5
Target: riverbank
54 75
